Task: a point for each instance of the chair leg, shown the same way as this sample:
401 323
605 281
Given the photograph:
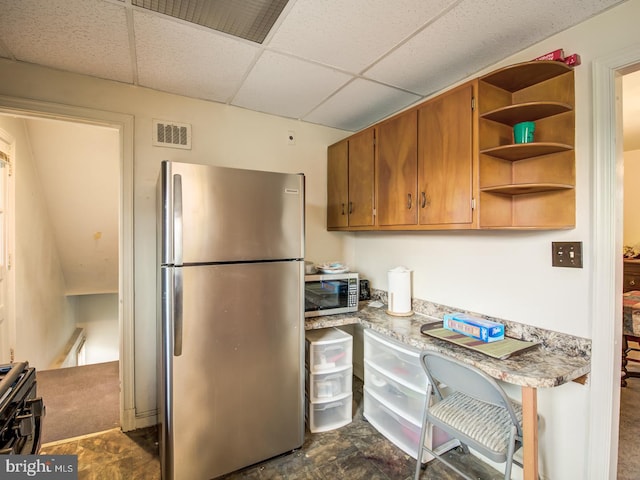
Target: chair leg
423 434
510 452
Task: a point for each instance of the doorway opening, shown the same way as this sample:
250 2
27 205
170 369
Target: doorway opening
629 431
607 233
92 320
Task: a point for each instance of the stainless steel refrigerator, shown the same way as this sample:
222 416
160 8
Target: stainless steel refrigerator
231 351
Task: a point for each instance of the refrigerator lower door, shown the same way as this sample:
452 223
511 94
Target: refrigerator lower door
236 391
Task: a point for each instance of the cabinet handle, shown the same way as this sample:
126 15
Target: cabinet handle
632 282
423 199
408 201
350 208
343 208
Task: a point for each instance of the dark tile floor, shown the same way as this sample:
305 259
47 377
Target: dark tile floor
356 451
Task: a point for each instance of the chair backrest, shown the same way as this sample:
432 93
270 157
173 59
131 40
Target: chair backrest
467 379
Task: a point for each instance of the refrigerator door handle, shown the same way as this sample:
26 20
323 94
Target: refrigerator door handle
177 312
177 219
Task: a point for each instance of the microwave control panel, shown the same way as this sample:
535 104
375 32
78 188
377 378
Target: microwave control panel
353 292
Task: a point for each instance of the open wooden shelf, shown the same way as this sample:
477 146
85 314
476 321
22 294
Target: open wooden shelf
527 185
522 75
526 112
520 151
525 188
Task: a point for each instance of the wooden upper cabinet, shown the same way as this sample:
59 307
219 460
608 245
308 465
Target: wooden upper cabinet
338 184
445 159
361 177
397 170
447 165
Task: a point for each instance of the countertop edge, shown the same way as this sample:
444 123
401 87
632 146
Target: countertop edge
539 368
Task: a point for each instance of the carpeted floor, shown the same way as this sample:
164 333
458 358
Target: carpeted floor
79 400
629 433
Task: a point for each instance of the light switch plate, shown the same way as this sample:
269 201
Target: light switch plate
566 254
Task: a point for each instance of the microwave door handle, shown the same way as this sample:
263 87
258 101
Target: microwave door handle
177 311
177 220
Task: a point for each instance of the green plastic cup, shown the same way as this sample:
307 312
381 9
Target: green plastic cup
523 132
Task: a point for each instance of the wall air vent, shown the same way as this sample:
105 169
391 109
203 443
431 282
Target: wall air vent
171 134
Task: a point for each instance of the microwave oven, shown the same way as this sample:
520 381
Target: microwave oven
328 294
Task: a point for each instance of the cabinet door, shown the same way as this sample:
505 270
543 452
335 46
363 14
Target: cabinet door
337 185
396 170
445 159
361 163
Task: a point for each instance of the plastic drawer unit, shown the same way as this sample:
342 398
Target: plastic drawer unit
328 349
325 386
324 416
395 393
329 375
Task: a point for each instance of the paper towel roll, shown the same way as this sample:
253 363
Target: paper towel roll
399 294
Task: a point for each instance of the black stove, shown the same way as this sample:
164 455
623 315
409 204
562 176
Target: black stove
21 412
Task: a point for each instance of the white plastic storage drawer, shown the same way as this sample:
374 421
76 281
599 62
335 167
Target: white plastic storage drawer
324 416
404 396
325 386
328 349
390 423
397 361
402 432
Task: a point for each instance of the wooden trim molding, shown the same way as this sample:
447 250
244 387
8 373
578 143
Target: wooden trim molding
607 263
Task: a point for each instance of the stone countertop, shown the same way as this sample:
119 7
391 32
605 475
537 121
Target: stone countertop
541 367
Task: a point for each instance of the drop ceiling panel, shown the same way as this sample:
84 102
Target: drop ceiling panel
196 62
473 35
83 36
287 86
352 109
351 35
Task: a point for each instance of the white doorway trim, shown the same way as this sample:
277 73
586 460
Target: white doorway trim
124 124
606 251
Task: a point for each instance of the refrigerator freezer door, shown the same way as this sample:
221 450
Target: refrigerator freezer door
217 214
236 390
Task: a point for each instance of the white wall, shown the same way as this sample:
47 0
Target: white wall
44 316
98 315
631 236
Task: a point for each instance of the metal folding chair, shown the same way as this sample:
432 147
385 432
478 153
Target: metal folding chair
472 408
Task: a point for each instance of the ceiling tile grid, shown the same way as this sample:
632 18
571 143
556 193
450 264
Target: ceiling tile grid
471 36
287 86
352 109
344 64
351 35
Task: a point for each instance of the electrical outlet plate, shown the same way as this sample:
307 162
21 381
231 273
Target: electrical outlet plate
566 254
